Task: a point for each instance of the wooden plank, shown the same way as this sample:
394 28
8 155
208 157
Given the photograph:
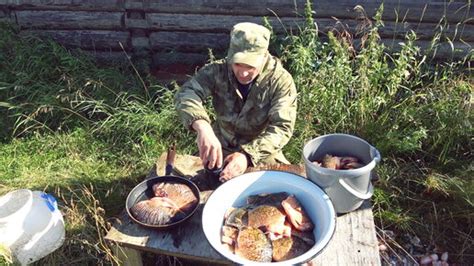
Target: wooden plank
73 5
391 29
426 31
353 243
85 39
214 23
37 19
229 7
107 57
427 10
200 42
443 50
188 41
223 24
127 256
6 15
166 60
140 43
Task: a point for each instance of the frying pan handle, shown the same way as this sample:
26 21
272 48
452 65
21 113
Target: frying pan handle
170 156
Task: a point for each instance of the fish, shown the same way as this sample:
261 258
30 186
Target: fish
229 234
306 236
180 194
171 202
155 211
273 199
339 162
254 245
296 214
268 227
267 218
237 218
348 162
288 247
331 162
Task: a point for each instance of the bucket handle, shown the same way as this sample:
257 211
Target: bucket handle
356 193
375 154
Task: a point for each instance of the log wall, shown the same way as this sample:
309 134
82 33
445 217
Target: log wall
173 33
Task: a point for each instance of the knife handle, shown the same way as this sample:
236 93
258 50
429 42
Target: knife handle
170 157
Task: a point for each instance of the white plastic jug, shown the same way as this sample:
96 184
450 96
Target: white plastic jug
31 225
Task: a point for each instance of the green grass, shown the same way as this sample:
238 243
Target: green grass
88 133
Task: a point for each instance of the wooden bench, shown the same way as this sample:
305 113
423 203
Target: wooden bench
353 243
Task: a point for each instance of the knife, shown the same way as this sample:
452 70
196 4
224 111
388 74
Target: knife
170 156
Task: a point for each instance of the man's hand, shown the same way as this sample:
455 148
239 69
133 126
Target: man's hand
210 150
235 164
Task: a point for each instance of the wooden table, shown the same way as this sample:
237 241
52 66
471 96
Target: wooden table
354 241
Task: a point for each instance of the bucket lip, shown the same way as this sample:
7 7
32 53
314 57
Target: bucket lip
351 172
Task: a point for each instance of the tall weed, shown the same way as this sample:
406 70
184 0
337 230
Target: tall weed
416 111
396 101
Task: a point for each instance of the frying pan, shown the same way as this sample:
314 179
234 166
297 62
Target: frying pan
144 191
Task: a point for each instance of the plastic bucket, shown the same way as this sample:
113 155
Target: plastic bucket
342 186
31 225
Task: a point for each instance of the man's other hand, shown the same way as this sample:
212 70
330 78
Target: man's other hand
235 164
210 149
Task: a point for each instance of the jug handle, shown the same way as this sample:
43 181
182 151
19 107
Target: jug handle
50 201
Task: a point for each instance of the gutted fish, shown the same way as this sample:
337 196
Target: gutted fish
229 235
267 218
339 163
331 162
288 247
306 236
254 245
350 163
155 211
273 199
238 218
296 214
268 227
287 229
180 194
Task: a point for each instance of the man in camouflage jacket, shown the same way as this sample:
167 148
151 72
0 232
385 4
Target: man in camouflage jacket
254 99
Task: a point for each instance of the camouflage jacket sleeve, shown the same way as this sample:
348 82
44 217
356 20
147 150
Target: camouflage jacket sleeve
282 117
190 97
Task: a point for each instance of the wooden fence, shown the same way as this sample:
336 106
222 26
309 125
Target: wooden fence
173 33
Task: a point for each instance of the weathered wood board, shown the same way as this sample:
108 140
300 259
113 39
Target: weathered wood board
215 23
75 5
223 24
399 10
84 20
229 7
353 243
86 39
188 41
